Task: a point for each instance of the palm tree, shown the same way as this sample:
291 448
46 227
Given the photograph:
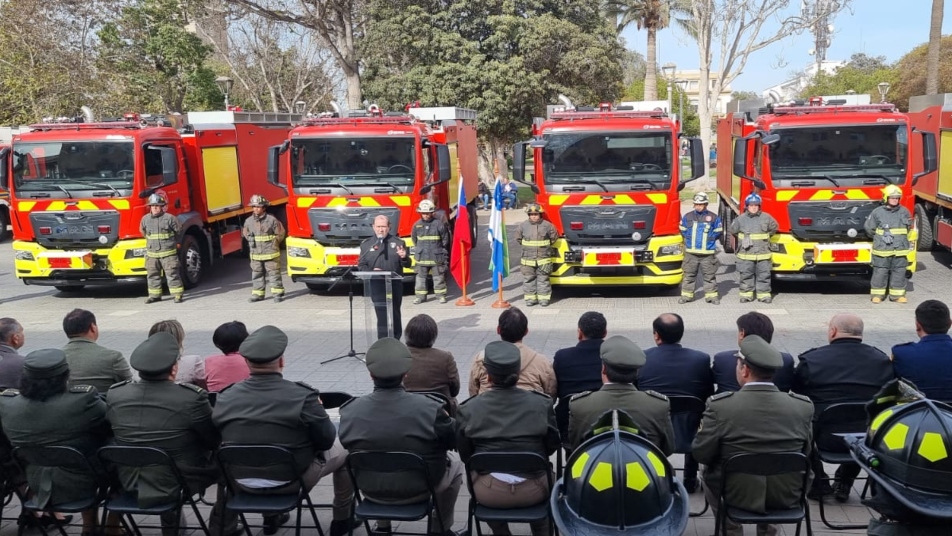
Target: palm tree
650 15
932 56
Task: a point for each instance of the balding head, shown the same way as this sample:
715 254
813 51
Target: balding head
381 226
846 326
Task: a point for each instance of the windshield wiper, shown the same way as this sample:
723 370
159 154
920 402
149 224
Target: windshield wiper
64 190
824 177
585 181
98 185
883 178
340 185
381 183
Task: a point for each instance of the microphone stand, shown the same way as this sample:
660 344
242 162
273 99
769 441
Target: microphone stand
350 300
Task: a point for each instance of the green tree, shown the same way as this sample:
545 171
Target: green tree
849 78
155 60
690 124
913 69
744 95
648 15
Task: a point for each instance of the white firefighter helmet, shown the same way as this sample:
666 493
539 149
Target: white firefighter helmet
426 207
157 199
258 200
700 198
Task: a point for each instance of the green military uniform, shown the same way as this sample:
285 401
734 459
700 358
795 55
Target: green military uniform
508 419
73 418
889 227
96 365
395 420
648 409
264 236
176 418
161 253
431 246
538 258
757 419
753 233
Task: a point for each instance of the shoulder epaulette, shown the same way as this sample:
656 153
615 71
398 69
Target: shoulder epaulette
719 396
82 389
656 394
195 388
228 387
578 396
120 384
10 392
467 400
800 397
303 384
540 393
807 352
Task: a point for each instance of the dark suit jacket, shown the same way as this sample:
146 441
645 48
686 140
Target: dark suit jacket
725 372
846 370
673 370
11 367
927 363
577 369
383 255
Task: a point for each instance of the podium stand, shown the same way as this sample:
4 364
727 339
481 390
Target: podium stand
383 297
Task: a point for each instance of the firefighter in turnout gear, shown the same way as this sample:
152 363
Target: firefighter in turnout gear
700 228
537 237
264 234
431 247
889 225
161 231
753 229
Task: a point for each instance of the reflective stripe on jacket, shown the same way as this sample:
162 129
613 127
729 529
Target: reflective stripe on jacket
537 239
161 234
897 221
758 228
264 237
431 242
701 231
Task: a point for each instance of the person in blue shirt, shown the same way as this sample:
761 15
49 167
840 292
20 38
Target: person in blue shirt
725 363
700 228
579 368
928 363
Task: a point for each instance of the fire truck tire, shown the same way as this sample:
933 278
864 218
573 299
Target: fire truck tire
924 223
727 216
69 288
4 221
191 261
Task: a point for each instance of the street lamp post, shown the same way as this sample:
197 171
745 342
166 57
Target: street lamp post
224 85
667 71
883 90
682 85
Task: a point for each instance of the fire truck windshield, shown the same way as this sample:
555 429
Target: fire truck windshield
345 161
613 159
847 155
80 167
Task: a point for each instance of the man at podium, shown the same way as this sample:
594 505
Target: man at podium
388 253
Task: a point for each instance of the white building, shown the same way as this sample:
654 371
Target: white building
790 90
692 91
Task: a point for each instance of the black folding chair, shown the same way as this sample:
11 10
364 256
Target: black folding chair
277 463
212 398
771 464
406 468
59 457
507 462
686 412
334 399
843 418
126 502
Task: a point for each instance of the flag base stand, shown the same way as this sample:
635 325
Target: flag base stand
501 304
465 302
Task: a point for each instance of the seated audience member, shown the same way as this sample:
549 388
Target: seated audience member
191 367
228 367
756 419
621 359
267 408
845 370
46 412
433 369
175 417
536 372
725 363
391 419
928 363
11 362
90 363
579 368
508 419
674 370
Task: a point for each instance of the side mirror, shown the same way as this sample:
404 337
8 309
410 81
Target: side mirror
519 161
274 164
739 162
770 139
697 158
443 162
4 164
930 160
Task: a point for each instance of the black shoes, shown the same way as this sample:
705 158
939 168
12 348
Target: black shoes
713 301
841 491
153 299
820 488
272 523
278 298
255 298
341 527
690 484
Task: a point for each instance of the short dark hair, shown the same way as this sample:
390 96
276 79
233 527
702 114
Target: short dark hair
669 327
78 322
8 328
593 325
620 374
41 389
504 381
421 331
754 323
933 316
229 336
513 325
388 383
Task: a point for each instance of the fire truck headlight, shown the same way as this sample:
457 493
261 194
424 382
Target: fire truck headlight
299 252
24 256
636 236
674 249
103 239
851 233
133 253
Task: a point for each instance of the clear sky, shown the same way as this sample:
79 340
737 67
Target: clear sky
888 28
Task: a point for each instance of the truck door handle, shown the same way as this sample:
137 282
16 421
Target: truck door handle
573 188
178 203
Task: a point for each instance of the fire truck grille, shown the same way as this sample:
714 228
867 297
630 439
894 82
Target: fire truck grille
76 229
830 221
350 226
608 224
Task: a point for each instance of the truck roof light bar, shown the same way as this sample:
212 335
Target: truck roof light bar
629 114
87 126
391 120
789 110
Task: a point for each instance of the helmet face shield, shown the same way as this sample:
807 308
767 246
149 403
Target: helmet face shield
534 208
426 206
701 198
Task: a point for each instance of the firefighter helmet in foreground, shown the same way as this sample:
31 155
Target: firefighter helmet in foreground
258 201
157 199
753 199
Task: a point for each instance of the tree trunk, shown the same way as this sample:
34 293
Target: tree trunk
651 69
352 76
703 12
935 40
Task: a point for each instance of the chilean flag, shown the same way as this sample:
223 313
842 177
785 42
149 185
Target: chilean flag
459 258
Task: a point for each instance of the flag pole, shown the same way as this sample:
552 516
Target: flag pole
465 301
500 303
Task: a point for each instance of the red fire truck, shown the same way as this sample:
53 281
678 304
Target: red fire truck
609 179
933 113
341 172
820 167
79 191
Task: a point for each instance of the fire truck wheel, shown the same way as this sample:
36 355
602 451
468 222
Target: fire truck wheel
191 263
727 216
924 222
69 288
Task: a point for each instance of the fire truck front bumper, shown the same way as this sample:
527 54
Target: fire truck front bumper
656 263
312 262
36 265
794 260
